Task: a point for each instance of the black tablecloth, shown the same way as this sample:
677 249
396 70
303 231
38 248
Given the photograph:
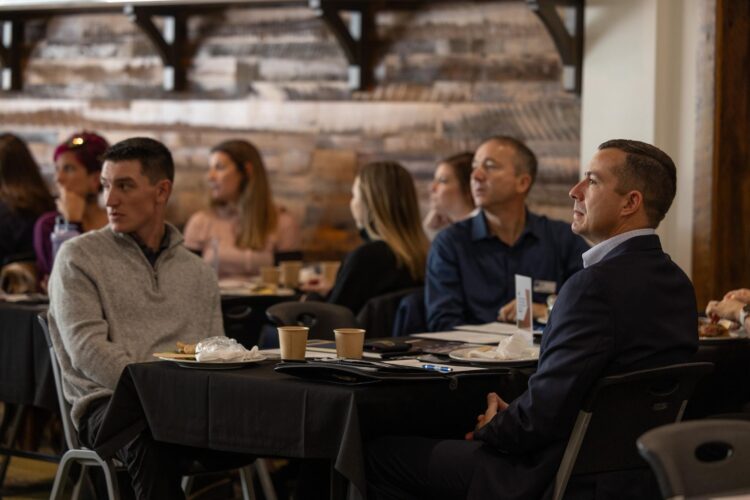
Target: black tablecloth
264 413
25 370
727 388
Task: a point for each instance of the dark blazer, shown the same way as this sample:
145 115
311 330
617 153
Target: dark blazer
633 310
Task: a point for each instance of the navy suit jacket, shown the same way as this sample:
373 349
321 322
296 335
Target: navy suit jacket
635 309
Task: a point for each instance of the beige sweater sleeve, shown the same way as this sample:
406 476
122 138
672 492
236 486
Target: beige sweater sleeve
78 316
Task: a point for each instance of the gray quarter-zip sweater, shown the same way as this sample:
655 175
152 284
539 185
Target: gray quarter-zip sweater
109 307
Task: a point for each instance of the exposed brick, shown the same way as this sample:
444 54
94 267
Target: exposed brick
447 76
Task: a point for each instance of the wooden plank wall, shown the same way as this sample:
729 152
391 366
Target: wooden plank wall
721 251
447 76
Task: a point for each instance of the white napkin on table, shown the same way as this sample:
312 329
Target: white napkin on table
224 349
518 345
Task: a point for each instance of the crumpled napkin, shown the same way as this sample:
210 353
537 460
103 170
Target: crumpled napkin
224 349
516 346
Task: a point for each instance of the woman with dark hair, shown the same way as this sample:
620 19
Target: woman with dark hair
23 197
243 228
78 166
394 253
450 193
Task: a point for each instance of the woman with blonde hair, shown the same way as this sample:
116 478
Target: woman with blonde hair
243 228
23 198
393 257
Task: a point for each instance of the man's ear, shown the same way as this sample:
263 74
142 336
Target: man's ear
633 202
523 183
163 190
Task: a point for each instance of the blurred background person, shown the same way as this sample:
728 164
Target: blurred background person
23 198
735 306
394 253
78 166
243 227
450 193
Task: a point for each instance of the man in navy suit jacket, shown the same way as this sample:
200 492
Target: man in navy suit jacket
630 308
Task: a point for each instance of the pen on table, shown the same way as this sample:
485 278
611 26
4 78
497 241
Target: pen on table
437 368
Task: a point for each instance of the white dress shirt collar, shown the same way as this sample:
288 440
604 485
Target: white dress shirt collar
600 250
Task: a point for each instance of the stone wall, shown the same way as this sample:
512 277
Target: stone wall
447 76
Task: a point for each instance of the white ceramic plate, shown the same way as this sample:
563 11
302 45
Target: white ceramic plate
213 365
463 355
256 292
737 333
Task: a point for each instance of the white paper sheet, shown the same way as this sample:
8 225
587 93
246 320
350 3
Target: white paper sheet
464 336
495 327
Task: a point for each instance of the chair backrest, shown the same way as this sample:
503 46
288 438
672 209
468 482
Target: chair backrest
244 317
701 457
320 317
411 315
378 315
71 436
618 410
279 257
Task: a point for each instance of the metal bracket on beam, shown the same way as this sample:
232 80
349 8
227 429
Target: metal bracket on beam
170 43
567 33
356 39
11 48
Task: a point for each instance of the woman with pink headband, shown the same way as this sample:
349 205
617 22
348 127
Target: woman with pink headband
78 166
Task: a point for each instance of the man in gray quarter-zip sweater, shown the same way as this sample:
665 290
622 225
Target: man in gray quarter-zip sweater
121 293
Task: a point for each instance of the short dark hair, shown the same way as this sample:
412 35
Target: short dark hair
649 170
526 161
156 160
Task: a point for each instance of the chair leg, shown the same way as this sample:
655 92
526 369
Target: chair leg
246 482
58 487
187 484
110 476
82 478
261 466
13 429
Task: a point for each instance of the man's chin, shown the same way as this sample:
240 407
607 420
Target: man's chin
119 227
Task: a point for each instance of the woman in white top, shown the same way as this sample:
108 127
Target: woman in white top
450 194
243 228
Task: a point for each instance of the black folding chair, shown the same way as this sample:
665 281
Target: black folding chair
244 317
617 411
320 317
700 457
379 313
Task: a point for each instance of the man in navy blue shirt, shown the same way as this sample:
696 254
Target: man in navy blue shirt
472 264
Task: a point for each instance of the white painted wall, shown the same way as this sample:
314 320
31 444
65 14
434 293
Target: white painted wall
639 82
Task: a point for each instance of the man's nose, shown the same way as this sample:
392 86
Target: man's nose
110 199
478 173
576 192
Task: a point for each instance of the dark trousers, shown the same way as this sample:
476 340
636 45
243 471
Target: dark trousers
156 468
422 468
415 467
